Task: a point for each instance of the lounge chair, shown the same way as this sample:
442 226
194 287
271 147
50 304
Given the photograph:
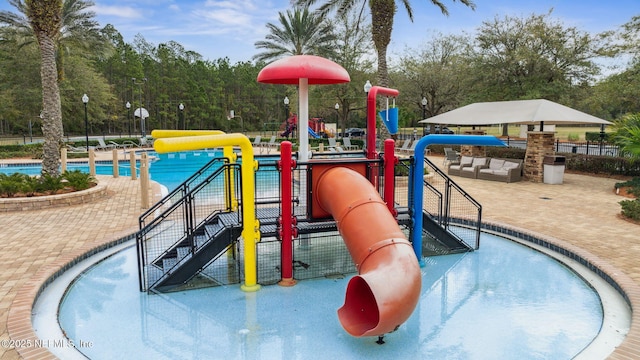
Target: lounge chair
347 144
272 142
332 143
411 148
257 141
75 149
103 146
405 145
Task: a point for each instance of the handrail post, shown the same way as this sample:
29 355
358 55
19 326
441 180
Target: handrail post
286 221
390 161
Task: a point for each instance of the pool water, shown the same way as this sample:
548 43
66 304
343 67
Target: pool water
504 301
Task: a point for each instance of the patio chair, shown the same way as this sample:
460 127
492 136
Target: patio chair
272 142
103 146
75 149
405 145
411 148
257 141
332 143
450 156
348 146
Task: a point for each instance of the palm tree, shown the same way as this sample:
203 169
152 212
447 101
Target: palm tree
57 26
382 12
45 17
300 32
78 31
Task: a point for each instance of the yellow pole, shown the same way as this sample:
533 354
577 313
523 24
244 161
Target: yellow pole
230 186
251 230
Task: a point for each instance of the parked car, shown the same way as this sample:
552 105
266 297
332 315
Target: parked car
352 132
438 130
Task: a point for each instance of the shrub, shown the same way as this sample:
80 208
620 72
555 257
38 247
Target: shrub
633 184
11 184
49 184
631 209
573 137
78 180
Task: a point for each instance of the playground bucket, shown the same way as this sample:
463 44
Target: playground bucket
390 119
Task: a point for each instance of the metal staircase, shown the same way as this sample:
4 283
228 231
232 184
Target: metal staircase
180 236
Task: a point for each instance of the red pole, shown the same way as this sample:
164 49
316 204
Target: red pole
286 221
372 116
390 161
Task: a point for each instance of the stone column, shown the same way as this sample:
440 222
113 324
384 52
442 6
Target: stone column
539 145
477 151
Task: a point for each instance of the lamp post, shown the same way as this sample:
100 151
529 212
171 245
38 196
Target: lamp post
128 106
367 87
337 107
85 100
424 113
181 107
286 107
141 109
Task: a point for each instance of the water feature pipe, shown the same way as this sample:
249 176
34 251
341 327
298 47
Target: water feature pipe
162 133
372 116
387 288
251 229
390 162
287 221
418 172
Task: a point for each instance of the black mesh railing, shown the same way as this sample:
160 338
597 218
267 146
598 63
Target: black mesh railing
181 190
447 203
170 234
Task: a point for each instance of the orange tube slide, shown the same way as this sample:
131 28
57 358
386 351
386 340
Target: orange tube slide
387 288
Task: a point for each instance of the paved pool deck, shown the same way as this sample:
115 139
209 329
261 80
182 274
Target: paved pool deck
581 214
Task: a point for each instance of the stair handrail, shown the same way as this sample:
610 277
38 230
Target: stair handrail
181 189
445 215
185 201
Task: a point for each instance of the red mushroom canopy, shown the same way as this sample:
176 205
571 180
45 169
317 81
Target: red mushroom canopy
290 70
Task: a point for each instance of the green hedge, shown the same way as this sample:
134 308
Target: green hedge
33 151
595 136
603 164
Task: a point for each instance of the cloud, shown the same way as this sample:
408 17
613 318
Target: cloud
118 11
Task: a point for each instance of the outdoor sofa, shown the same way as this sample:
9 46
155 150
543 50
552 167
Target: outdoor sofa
507 170
496 169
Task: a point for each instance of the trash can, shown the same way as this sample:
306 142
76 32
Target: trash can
553 169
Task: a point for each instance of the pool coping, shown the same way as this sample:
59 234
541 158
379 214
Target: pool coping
20 326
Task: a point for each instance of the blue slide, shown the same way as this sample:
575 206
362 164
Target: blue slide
313 133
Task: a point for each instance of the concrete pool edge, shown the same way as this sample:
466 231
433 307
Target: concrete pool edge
622 283
19 320
20 325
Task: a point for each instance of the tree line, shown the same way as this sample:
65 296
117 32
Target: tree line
507 58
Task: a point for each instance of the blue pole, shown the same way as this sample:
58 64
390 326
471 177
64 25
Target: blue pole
418 185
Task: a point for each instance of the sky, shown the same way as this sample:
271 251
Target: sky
230 28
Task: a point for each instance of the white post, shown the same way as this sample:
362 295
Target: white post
92 161
63 159
132 162
144 181
116 169
303 120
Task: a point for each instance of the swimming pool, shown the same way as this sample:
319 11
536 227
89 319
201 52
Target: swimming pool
502 301
464 302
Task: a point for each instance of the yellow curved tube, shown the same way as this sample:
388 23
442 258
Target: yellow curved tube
251 230
160 133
